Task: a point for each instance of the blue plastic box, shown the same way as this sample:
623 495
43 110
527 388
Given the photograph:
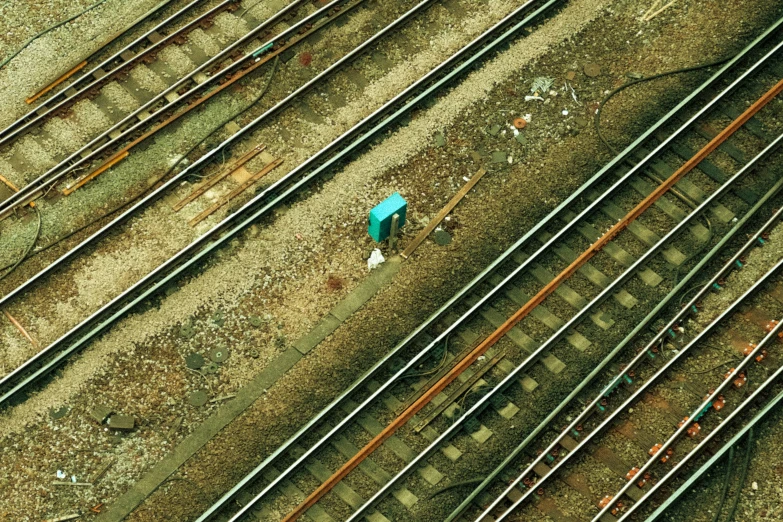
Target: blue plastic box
381 216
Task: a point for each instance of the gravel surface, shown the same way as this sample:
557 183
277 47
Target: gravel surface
273 274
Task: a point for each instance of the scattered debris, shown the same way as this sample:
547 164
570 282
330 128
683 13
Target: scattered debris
121 422
376 259
97 508
570 75
541 84
223 398
71 483
635 75
565 112
499 156
59 413
100 413
592 70
529 98
494 130
520 123
441 237
194 361
305 58
103 471
440 140
198 398
63 518
255 321
649 15
60 474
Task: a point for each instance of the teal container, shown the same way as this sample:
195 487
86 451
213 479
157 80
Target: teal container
381 216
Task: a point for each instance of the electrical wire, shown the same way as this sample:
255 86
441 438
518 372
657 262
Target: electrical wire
29 246
744 476
55 26
726 481
437 368
685 199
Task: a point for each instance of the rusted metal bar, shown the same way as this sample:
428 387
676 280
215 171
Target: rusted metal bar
55 83
464 388
442 214
237 191
22 330
8 183
94 174
211 182
520 314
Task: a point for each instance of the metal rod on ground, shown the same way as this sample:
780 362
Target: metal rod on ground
395 227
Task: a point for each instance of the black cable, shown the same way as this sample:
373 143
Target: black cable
682 197
726 481
438 367
745 467
126 203
55 26
29 247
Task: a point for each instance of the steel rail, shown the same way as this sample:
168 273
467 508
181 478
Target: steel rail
569 325
32 189
644 386
671 499
679 317
473 284
25 122
190 255
773 333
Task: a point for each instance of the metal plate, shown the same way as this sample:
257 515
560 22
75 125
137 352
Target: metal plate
218 355
441 237
59 413
255 321
194 361
186 331
210 368
198 398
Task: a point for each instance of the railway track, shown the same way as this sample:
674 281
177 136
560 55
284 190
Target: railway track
385 446
14 385
142 94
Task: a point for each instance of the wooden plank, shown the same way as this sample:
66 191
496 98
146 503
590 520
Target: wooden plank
442 214
234 193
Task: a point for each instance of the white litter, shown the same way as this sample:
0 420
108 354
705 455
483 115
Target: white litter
755 486
376 259
565 112
516 132
539 98
73 478
465 178
510 159
60 474
527 117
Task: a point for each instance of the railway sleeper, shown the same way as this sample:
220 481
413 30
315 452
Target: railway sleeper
568 294
292 492
643 234
668 207
394 444
595 276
